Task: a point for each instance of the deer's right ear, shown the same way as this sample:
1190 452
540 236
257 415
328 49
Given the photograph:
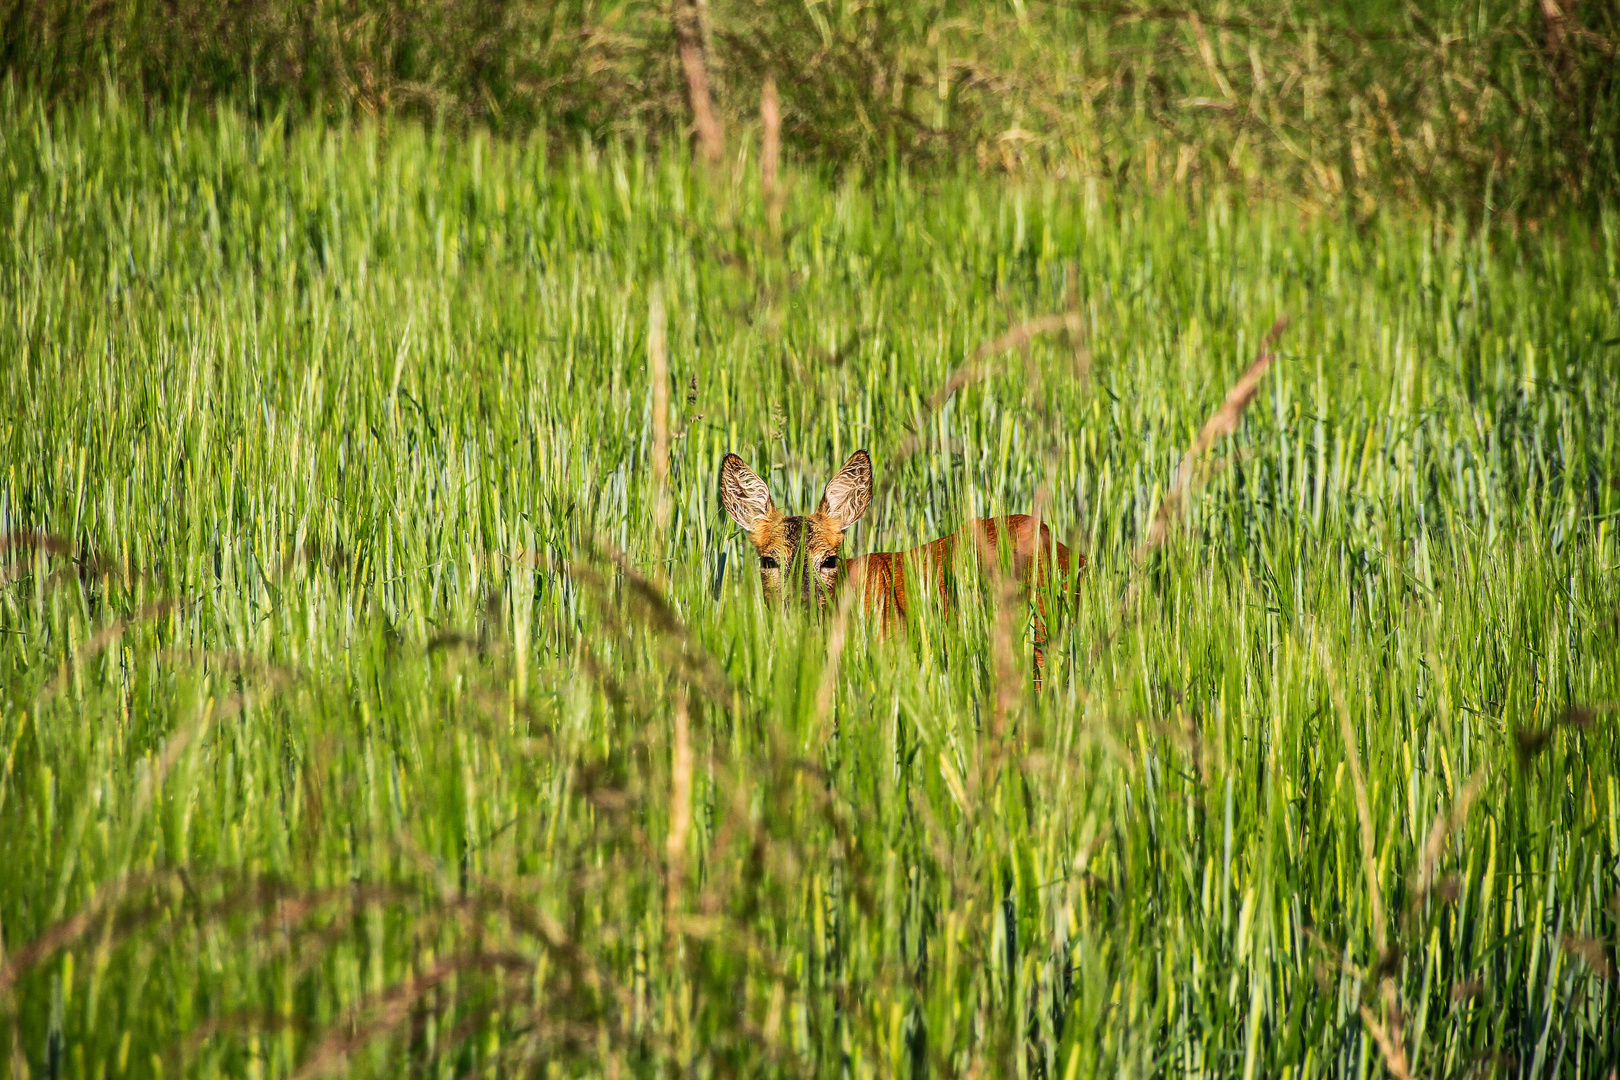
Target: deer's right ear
744 494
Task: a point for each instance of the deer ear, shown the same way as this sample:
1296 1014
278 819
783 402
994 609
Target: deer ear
850 492
744 494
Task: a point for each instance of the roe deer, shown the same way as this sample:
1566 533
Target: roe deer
799 555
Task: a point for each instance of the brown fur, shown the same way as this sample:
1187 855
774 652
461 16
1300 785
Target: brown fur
885 577
892 582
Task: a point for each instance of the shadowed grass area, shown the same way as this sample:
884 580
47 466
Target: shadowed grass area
355 716
1494 107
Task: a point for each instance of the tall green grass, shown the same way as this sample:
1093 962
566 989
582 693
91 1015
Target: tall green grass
349 694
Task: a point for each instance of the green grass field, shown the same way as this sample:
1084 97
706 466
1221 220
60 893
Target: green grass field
359 716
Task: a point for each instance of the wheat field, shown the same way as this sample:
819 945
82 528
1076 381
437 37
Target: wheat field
385 694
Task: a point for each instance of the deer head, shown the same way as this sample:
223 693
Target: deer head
798 556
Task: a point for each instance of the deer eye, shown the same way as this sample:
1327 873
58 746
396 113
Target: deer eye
767 563
830 563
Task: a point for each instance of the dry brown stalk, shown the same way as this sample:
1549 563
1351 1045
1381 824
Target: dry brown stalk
1444 825
29 541
1221 423
976 368
108 911
106 636
1009 686
1352 757
1130 12
706 130
680 815
835 652
1390 1043
770 156
658 374
209 714
1555 14
1390 1038
681 652
33 539
1590 949
392 1007
971 371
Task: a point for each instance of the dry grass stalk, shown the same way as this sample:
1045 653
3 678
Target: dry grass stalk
658 374
770 156
106 636
1534 740
1444 825
1074 325
679 650
1555 14
1390 1043
680 817
836 637
1352 757
1389 1033
32 540
1009 685
976 367
972 371
1592 950
393 1007
1221 423
706 129
29 542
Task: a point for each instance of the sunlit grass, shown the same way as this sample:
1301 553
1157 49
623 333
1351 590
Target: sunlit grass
334 735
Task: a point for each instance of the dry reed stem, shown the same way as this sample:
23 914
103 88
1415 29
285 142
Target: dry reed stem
35 540
392 1008
1390 1043
106 636
1009 687
682 652
1591 950
1075 327
31 542
210 714
835 651
971 371
680 817
1037 599
1352 757
1390 1040
107 908
706 128
1221 423
76 926
1444 824
976 368
658 375
770 156
525 917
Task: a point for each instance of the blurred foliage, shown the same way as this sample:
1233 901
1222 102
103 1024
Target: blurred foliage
1497 103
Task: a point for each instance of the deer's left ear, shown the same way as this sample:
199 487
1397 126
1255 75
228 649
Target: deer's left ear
850 492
